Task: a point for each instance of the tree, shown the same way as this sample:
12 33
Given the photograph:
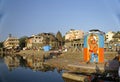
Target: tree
63 40
1 44
22 41
59 38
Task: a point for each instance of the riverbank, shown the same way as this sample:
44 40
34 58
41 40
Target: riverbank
67 58
61 60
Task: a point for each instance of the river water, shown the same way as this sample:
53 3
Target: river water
19 71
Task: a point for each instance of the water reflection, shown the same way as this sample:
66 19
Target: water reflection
30 69
11 62
17 69
35 64
69 80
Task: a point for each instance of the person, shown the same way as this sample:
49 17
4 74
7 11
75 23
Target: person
119 56
119 72
119 63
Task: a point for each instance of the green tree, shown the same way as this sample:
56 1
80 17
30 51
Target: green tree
22 42
1 44
63 40
59 38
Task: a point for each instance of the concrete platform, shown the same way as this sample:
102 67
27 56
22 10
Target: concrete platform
82 67
75 77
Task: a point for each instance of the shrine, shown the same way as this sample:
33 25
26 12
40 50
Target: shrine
94 46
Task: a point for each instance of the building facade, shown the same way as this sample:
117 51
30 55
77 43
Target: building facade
109 36
117 41
11 42
40 40
35 41
74 34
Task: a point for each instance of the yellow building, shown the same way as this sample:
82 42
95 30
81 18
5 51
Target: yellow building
74 34
11 42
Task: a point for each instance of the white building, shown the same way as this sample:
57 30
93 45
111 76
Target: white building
109 35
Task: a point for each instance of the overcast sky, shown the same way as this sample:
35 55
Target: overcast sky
27 17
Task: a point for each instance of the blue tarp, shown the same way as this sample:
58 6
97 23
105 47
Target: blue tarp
47 48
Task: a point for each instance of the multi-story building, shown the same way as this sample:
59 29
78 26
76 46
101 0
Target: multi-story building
116 40
74 34
49 39
35 41
40 40
74 39
117 36
109 36
11 42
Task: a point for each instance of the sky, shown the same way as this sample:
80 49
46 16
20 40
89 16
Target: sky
27 17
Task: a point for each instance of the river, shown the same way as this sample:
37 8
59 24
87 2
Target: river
19 71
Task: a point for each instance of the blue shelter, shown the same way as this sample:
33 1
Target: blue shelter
47 48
